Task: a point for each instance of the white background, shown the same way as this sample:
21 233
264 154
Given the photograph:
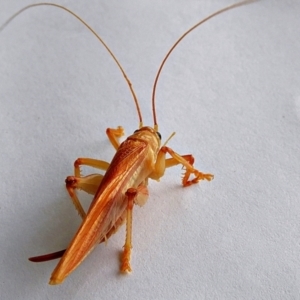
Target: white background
231 91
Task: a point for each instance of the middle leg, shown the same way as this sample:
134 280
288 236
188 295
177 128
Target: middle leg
134 196
88 183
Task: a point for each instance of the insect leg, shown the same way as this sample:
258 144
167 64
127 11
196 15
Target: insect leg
134 196
114 135
88 183
187 162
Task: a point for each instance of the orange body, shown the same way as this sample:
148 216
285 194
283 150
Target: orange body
131 166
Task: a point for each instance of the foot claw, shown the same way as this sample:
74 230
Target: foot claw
198 176
125 261
120 131
125 268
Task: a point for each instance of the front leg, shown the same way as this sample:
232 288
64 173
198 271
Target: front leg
114 135
187 162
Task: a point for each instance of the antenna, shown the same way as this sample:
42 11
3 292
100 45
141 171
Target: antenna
179 40
95 34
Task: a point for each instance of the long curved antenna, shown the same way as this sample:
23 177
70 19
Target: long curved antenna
95 34
179 40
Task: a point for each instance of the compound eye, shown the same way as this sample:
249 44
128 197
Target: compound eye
158 134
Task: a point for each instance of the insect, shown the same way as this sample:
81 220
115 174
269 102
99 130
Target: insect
124 184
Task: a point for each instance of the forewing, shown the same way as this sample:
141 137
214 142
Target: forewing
107 207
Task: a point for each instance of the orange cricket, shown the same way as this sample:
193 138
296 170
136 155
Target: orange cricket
125 181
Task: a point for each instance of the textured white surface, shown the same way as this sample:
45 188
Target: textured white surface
231 91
